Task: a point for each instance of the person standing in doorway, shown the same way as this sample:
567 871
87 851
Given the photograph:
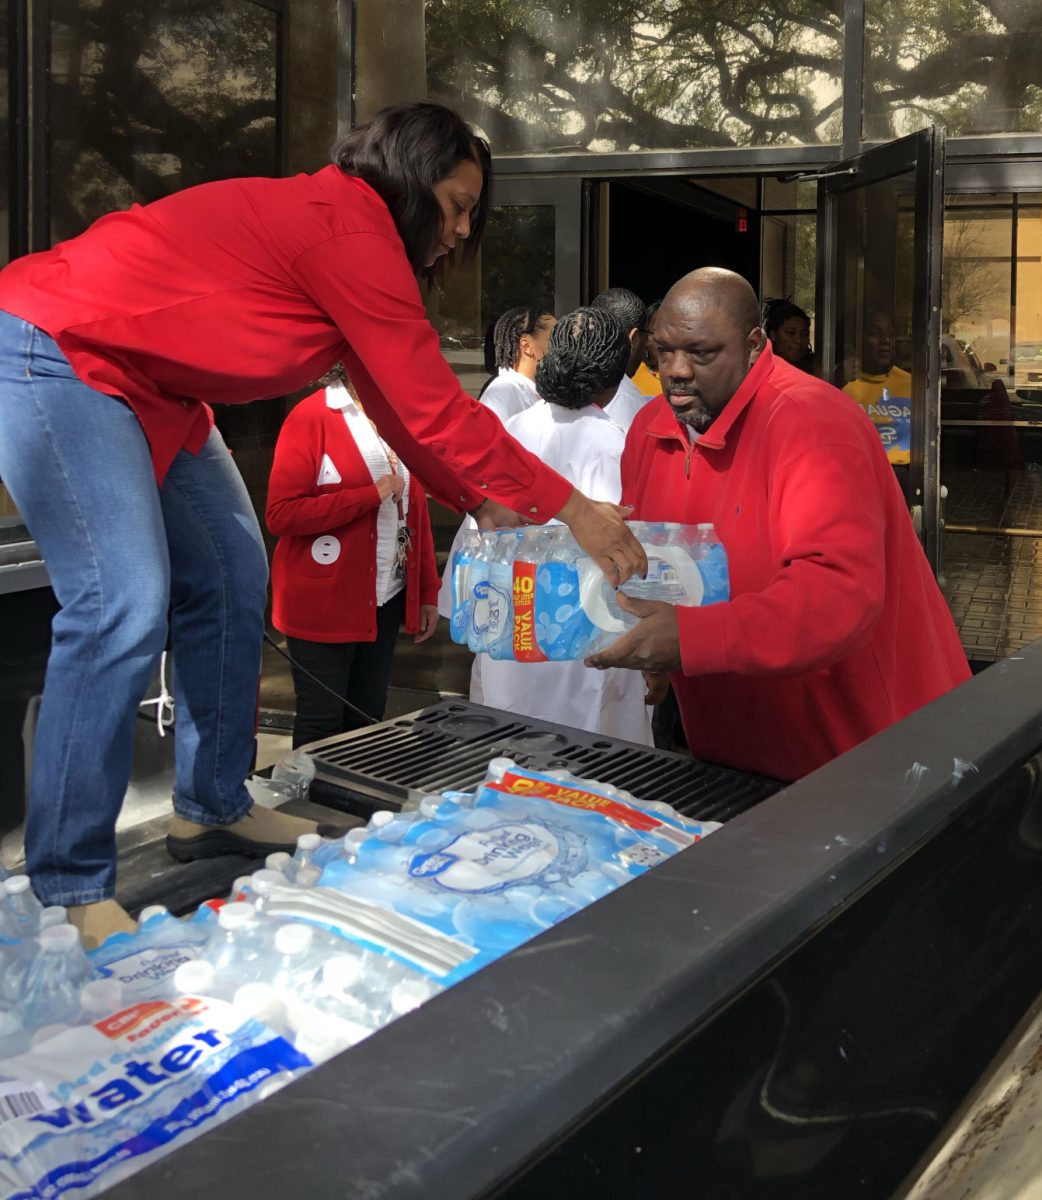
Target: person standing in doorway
788 327
882 388
519 339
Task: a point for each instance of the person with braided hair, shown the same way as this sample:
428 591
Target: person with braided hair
570 431
628 309
519 341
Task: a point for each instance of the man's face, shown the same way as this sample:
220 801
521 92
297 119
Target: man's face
703 358
878 350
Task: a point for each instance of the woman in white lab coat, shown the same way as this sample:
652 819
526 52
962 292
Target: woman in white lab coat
570 432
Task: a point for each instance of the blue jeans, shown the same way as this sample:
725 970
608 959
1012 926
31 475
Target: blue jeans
130 564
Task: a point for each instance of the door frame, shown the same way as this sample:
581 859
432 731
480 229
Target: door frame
922 155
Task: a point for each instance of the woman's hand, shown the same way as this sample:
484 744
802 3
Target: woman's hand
428 622
390 486
494 516
601 530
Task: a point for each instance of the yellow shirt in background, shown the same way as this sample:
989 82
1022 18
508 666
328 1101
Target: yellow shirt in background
647 380
888 401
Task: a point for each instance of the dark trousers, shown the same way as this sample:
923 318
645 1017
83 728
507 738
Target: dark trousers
358 671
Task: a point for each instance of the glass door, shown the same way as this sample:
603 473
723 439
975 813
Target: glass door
880 229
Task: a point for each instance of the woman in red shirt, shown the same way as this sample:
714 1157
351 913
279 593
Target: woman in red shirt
111 345
354 562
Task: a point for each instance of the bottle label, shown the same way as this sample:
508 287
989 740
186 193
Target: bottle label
526 648
562 628
490 611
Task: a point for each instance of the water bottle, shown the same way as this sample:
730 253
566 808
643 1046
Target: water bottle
22 907
477 588
293 774
100 998
53 914
293 945
462 559
52 986
390 826
235 948
712 565
303 870
499 640
564 629
197 977
531 550
352 843
279 861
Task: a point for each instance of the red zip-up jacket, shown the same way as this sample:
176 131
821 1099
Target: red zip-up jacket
323 571
836 627
232 291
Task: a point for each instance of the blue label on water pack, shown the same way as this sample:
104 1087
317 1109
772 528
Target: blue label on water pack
713 569
562 628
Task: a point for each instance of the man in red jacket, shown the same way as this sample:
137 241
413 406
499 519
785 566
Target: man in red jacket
835 628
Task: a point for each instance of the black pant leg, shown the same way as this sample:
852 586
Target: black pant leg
319 715
371 668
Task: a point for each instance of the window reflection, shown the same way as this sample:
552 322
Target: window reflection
671 73
150 96
971 67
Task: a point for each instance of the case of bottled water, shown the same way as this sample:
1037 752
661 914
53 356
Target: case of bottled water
536 596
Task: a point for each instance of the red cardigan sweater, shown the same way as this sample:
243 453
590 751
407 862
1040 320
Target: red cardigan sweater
323 573
836 627
246 288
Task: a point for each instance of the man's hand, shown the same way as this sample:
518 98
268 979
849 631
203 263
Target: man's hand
428 622
656 687
651 646
601 530
494 516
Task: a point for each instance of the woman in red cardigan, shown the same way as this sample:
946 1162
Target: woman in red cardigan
354 562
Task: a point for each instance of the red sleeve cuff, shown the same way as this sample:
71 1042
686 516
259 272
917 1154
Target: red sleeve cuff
703 641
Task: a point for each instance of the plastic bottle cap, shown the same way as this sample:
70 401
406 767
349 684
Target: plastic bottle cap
293 939
195 976
54 914
264 880
16 884
278 861
153 910
236 916
240 885
341 972
354 837
381 818
101 996
498 767
308 841
58 938
429 806
706 525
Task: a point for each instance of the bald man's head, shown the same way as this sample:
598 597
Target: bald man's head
708 336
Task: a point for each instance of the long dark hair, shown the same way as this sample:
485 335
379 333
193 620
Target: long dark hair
402 153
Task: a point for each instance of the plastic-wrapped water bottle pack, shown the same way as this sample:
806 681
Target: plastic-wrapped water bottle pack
111 1058
534 596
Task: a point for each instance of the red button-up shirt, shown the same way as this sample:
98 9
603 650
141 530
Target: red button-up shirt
233 291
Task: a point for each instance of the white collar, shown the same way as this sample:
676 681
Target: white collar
517 377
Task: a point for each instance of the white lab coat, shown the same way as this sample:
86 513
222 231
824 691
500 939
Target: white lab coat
585 446
626 403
